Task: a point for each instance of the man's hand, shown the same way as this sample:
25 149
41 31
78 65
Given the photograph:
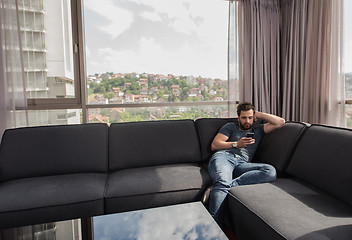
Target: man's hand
245 141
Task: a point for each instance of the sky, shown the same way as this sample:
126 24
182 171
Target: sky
157 36
166 36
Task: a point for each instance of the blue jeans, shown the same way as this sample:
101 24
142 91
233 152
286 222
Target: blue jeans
223 166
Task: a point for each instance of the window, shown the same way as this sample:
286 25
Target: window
124 60
156 59
52 80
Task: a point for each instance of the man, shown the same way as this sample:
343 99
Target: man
235 149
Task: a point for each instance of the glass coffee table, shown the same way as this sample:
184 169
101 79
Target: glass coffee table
182 221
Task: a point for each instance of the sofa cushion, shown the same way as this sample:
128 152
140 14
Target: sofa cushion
207 130
51 198
146 187
142 144
323 159
288 209
44 151
276 148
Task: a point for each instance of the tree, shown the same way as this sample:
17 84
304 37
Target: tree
109 95
99 89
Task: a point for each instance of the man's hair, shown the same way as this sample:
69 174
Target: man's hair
246 106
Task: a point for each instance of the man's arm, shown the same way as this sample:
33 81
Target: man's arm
219 142
274 121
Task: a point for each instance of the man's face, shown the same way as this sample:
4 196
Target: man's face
246 119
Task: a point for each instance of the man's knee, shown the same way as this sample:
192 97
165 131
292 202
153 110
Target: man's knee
270 172
222 184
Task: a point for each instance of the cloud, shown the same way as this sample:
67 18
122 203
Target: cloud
119 19
152 58
153 16
164 36
176 11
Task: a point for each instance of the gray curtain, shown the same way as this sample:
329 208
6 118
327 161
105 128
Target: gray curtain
13 101
312 63
287 58
257 67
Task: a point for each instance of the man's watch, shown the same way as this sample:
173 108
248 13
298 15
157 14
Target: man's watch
234 144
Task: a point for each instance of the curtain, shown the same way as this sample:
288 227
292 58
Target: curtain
13 102
287 58
312 66
254 53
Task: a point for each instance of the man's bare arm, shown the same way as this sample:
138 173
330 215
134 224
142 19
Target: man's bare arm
220 142
274 121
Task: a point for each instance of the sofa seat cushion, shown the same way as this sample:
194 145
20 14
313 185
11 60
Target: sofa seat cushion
26 198
139 188
288 209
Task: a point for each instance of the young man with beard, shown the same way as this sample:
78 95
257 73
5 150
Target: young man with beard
235 149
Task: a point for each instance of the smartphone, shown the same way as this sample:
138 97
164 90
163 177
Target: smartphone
250 134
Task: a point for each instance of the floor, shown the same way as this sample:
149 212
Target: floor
228 232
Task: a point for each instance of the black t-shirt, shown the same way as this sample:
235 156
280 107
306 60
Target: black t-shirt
234 133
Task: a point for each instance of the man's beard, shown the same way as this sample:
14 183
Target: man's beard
246 126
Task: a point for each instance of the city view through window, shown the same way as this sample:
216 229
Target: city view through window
145 60
148 52
132 88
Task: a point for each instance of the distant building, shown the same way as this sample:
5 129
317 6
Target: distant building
218 99
144 91
153 90
129 98
48 62
134 75
143 82
191 80
127 85
117 100
99 99
141 99
161 77
176 90
195 91
118 91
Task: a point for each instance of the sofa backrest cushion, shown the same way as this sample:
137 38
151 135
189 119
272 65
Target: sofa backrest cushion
276 148
323 159
207 129
141 144
50 150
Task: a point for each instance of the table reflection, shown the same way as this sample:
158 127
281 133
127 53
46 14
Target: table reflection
185 221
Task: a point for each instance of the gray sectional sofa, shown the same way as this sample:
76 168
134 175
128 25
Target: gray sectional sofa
64 172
